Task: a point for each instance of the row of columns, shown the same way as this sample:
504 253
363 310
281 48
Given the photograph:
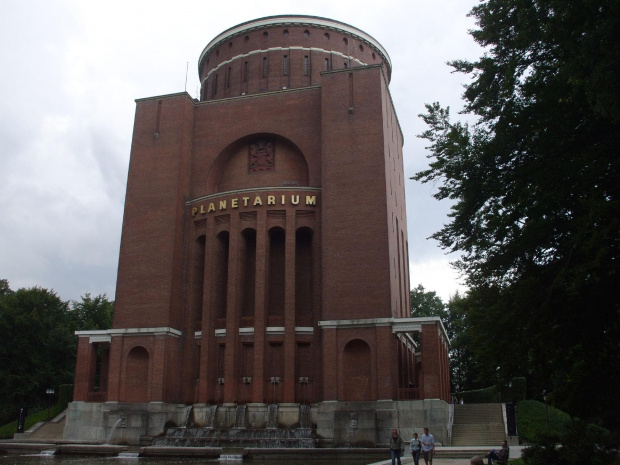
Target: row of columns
209 389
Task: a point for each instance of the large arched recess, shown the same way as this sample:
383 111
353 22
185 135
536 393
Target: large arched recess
231 169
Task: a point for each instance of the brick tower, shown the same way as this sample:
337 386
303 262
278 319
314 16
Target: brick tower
264 254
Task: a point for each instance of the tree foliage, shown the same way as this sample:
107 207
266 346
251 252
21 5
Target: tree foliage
462 364
536 186
426 303
37 342
464 367
93 312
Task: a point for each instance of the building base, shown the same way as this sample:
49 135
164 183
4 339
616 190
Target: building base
335 424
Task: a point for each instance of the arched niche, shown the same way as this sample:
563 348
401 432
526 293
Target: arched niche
357 371
137 375
258 160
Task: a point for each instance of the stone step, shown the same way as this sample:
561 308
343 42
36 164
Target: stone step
49 431
455 453
478 425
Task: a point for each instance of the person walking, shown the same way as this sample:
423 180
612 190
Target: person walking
428 447
415 445
396 445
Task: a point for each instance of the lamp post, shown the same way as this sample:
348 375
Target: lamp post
50 392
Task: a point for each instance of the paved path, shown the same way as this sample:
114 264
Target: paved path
515 451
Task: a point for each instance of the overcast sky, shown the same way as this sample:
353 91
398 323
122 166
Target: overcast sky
71 70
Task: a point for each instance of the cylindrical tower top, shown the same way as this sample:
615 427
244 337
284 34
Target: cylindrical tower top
283 52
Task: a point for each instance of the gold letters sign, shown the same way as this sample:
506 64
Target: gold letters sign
254 201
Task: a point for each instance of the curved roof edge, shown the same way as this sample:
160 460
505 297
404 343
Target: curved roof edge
297 20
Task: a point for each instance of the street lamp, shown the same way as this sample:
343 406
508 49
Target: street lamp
50 392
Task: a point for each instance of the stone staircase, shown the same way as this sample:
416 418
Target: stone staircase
49 431
478 425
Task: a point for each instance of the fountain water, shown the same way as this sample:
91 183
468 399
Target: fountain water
240 416
304 416
188 414
111 433
210 416
239 434
272 416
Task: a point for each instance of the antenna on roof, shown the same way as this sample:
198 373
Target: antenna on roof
186 69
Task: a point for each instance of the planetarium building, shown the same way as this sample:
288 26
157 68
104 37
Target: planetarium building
264 256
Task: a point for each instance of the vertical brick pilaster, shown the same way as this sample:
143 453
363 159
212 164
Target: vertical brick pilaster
157 368
331 364
116 369
207 338
232 312
386 367
431 361
258 385
289 308
84 369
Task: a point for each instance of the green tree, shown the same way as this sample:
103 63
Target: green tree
464 366
5 290
93 312
37 347
536 185
426 303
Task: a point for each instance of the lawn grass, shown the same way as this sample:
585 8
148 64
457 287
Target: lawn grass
7 431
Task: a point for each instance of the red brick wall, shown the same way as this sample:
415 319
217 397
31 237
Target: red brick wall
149 281
356 268
183 267
253 47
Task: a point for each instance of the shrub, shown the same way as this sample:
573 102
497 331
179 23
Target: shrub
579 444
532 422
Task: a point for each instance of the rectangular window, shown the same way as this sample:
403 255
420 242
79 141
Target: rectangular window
245 72
214 90
228 77
306 65
326 67
285 66
265 67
